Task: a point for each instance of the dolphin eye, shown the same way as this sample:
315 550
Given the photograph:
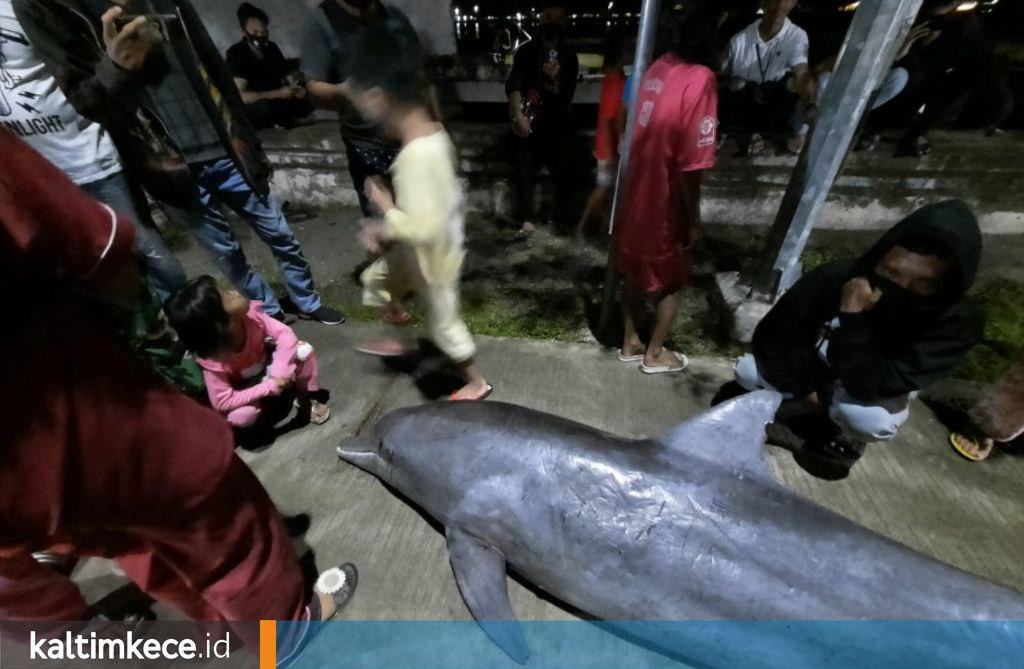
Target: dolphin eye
384 452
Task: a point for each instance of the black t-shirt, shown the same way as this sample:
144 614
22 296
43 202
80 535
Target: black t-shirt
328 46
262 74
528 76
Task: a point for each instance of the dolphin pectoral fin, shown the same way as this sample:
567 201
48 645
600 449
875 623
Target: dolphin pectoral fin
731 434
480 572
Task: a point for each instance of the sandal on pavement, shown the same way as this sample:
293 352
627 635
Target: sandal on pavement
384 349
319 413
479 398
622 357
399 319
970 448
338 583
683 363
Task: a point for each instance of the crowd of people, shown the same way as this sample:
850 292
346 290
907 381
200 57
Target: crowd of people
125 443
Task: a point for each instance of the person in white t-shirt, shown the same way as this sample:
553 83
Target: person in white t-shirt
766 75
34 108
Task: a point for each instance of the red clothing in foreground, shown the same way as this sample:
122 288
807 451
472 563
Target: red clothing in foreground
99 456
674 132
612 86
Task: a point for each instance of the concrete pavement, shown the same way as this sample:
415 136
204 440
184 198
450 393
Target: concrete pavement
915 490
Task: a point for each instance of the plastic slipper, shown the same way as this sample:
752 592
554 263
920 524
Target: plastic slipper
684 362
479 398
339 584
391 319
384 349
963 444
628 358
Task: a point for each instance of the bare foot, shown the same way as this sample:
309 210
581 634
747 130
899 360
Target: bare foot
974 448
795 144
632 349
394 314
319 413
327 606
334 589
472 392
664 358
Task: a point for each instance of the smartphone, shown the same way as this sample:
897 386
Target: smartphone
155 19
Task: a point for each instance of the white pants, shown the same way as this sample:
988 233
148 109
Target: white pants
860 421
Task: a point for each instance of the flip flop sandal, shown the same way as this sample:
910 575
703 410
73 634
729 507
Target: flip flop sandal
684 362
338 583
960 445
479 398
382 350
405 319
628 358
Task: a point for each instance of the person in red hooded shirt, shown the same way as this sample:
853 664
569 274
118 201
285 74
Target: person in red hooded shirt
675 126
100 455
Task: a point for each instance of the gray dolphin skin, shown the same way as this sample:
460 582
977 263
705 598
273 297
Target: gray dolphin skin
690 526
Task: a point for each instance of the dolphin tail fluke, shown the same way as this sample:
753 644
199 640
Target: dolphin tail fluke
480 572
731 433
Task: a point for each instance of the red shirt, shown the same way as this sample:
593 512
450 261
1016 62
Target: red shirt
611 103
676 123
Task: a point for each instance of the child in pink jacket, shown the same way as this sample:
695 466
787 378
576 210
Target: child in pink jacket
246 356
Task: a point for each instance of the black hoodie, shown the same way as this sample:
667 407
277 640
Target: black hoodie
884 352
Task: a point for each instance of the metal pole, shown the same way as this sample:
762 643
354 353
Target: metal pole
878 31
644 53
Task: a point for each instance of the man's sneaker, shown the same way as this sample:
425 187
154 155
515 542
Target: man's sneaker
285 318
327 316
831 460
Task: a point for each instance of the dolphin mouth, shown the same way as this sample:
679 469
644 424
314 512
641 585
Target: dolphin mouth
361 452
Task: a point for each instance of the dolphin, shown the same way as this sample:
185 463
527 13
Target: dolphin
690 526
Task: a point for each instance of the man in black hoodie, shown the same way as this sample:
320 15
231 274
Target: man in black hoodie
855 340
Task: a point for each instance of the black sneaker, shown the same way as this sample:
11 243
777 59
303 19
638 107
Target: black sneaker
327 316
779 434
285 318
830 460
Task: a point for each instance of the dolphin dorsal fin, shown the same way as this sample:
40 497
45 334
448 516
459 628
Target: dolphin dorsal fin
730 434
480 573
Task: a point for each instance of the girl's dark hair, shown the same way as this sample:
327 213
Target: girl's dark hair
692 32
197 313
387 58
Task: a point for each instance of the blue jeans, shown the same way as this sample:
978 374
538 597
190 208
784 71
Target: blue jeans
893 83
220 182
861 421
162 270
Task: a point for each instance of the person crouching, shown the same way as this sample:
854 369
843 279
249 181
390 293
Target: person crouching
850 344
246 356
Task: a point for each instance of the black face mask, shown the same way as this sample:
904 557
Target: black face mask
258 43
897 301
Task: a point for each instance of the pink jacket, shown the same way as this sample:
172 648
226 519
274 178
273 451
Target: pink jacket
229 382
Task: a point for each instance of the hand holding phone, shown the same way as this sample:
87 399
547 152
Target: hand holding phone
128 44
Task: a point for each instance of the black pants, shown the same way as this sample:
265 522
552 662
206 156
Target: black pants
764 109
270 113
940 91
553 147
364 161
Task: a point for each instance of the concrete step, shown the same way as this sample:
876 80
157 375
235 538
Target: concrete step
874 190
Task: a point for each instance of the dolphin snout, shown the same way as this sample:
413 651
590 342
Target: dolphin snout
361 452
